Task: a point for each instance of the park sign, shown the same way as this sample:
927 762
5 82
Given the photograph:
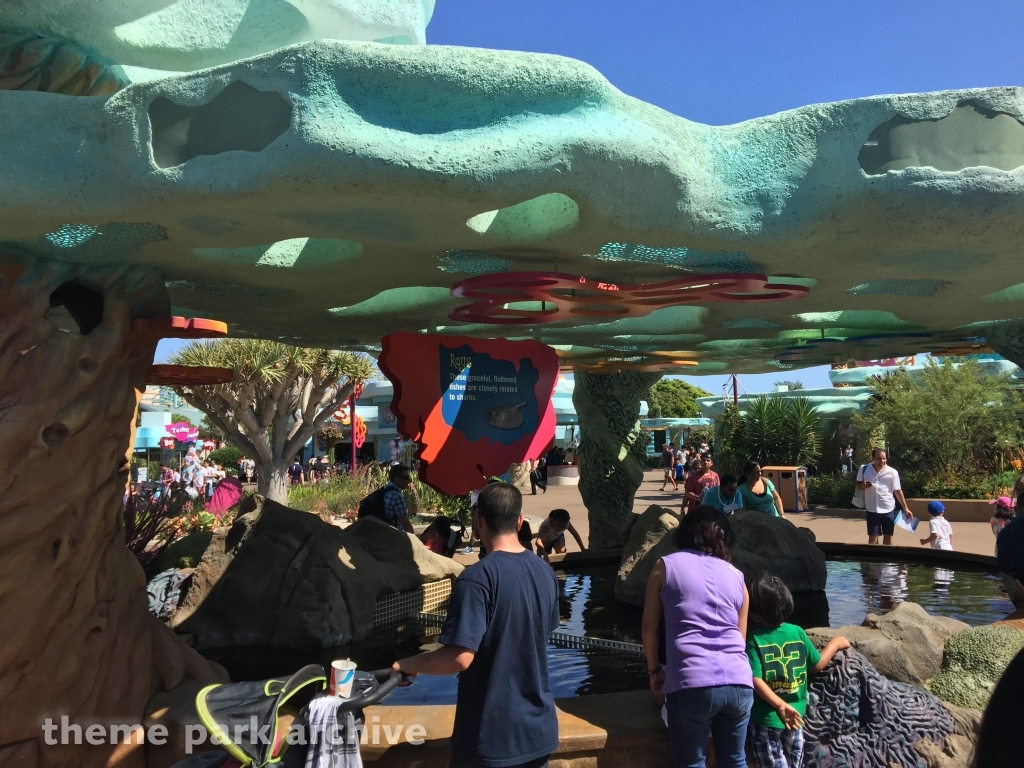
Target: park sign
473 406
183 432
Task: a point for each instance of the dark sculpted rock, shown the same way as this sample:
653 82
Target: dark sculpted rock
776 545
857 717
283 578
762 543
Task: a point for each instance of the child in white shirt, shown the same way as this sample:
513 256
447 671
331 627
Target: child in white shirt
941 531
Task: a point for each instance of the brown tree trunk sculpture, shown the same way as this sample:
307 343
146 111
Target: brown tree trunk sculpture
77 638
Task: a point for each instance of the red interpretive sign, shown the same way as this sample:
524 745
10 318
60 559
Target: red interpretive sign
474 406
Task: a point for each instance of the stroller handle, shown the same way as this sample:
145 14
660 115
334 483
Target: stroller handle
381 691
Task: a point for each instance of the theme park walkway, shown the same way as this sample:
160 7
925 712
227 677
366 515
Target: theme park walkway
828 525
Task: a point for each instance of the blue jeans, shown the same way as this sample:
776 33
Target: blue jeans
722 712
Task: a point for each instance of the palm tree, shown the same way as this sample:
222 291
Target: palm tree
280 397
777 430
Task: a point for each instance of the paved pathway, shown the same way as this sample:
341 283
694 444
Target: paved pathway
967 537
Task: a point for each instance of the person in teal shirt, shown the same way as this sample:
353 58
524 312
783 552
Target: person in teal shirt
779 655
758 492
725 498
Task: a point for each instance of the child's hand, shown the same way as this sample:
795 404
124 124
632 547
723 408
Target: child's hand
924 541
841 643
790 717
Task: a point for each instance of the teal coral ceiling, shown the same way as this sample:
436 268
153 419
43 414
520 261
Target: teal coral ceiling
434 160
677 257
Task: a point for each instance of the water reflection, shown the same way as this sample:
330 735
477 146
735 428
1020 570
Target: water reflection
856 588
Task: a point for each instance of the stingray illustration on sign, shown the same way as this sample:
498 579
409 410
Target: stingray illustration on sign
474 406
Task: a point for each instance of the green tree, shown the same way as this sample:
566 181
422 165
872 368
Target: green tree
773 430
280 397
177 418
674 399
946 418
790 385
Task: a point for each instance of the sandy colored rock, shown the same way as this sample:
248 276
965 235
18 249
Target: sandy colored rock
905 644
649 537
403 552
776 545
284 578
958 750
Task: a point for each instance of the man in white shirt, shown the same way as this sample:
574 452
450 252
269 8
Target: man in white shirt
882 493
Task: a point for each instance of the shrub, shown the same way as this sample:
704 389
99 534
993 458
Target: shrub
830 490
228 457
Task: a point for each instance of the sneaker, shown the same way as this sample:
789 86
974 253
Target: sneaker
467 551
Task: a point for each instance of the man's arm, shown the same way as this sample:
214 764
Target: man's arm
577 537
898 495
446 660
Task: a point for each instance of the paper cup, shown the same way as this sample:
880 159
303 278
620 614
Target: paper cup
343 672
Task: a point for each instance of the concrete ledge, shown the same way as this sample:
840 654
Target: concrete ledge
927 555
590 557
563 474
957 510
610 730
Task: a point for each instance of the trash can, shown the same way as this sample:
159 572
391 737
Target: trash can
791 483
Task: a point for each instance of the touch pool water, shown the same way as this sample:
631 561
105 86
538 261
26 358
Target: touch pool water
588 607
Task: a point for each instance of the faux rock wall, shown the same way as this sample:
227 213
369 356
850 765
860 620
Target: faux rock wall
78 639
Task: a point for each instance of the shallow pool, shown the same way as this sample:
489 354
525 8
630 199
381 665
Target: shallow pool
588 607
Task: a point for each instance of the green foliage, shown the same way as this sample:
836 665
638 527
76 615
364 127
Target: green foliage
922 484
947 418
729 457
830 490
177 418
700 435
228 457
674 399
340 496
777 431
833 489
790 385
972 663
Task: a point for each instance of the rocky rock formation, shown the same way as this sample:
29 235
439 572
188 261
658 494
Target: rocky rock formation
762 542
973 662
649 537
905 644
855 716
958 750
78 639
776 545
283 578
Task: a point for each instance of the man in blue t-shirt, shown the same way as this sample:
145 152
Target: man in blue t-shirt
501 612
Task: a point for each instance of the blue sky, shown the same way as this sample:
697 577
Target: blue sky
724 61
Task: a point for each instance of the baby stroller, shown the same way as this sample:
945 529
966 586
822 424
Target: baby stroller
279 709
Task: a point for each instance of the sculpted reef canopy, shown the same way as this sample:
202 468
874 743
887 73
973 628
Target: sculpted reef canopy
330 192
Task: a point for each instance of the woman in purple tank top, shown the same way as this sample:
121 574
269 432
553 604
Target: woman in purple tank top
706 679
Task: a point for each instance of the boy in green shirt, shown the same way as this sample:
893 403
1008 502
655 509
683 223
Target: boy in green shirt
780 655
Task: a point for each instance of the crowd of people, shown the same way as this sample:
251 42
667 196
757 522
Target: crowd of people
720 675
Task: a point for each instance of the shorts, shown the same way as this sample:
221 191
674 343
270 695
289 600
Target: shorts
880 523
668 472
559 543
776 747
